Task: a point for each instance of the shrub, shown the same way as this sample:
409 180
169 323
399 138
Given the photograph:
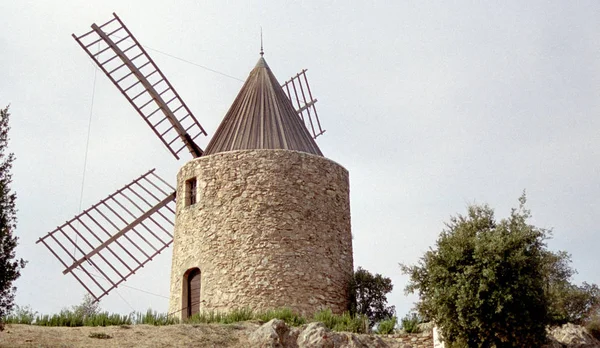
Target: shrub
154 318
484 282
387 326
570 303
21 315
234 316
290 317
358 323
73 319
106 319
64 318
237 315
410 323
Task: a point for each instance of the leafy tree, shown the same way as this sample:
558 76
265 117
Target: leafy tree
570 303
10 267
484 283
368 296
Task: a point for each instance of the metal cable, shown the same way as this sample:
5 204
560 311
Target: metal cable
87 146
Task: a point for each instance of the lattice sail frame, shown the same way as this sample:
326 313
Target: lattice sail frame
303 105
142 83
110 241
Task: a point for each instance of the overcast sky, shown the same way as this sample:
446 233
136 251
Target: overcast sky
430 108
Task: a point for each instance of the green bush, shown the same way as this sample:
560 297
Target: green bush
410 323
234 316
73 319
484 283
106 319
237 315
154 318
290 317
347 322
387 326
21 315
64 318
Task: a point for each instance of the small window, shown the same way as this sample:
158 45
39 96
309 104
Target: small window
190 191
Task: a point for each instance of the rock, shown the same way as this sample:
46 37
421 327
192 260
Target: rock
318 336
571 336
274 334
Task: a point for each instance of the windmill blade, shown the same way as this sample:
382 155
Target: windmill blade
297 90
110 241
142 83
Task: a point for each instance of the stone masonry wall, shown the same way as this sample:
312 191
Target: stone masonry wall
271 228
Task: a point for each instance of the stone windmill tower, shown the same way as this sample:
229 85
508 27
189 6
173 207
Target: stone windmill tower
265 218
260 219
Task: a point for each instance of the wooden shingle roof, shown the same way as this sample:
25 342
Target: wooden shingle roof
262 117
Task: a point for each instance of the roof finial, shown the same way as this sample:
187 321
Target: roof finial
261 43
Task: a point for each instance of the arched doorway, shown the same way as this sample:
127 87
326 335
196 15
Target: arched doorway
192 291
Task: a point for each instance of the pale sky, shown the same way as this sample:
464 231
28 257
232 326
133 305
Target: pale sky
430 106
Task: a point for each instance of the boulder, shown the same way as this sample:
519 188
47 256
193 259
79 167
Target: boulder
274 334
571 336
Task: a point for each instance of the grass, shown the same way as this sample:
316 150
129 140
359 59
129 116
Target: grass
154 318
290 317
21 315
343 322
72 319
235 316
410 323
336 322
387 326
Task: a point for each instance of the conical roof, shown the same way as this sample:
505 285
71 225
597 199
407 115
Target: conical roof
262 117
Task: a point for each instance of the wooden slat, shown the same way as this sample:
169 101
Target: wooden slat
97 234
148 87
129 227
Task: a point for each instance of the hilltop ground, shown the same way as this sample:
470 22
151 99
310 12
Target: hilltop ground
275 333
203 335
246 334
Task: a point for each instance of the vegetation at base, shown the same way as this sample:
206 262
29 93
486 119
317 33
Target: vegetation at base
368 296
494 283
410 323
234 316
387 326
357 323
21 315
10 266
72 319
290 317
154 318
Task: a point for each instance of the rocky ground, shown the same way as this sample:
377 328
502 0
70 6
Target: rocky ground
249 334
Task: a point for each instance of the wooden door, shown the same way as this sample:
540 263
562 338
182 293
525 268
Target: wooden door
193 292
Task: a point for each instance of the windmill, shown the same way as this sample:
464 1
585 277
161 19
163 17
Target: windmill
109 242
